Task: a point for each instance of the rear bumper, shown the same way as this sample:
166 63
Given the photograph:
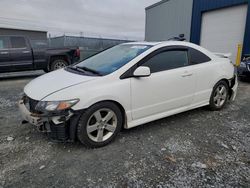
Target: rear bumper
58 128
234 87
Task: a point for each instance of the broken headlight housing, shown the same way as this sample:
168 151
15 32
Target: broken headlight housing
55 106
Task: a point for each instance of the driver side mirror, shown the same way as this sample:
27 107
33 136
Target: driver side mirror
142 71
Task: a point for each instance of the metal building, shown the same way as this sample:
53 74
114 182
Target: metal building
30 33
218 25
167 18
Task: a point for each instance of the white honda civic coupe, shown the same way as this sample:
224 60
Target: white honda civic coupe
126 86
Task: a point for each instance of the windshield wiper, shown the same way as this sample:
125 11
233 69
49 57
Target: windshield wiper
76 69
89 70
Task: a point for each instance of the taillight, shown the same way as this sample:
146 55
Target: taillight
77 53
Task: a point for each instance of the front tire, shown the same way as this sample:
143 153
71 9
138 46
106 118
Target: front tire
219 96
99 124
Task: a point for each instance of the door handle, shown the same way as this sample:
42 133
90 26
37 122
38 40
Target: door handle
26 52
4 53
187 74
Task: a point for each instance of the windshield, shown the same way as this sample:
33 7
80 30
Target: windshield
112 59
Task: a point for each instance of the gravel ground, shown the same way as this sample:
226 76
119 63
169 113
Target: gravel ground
198 148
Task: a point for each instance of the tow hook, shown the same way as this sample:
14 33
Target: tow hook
24 122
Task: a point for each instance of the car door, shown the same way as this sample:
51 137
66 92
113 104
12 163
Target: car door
4 53
170 86
39 48
20 53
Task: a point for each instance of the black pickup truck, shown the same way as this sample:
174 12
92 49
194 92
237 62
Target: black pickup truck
17 54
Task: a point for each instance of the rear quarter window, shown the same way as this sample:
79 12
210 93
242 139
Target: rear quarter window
197 57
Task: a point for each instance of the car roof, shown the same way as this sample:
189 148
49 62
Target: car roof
161 43
144 43
176 43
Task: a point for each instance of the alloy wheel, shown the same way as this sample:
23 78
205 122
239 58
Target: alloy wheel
59 65
220 96
101 125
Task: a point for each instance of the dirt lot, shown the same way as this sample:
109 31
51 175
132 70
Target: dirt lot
199 148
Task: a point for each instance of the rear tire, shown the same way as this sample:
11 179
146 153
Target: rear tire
219 96
58 64
99 124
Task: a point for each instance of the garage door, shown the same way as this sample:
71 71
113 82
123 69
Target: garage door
222 30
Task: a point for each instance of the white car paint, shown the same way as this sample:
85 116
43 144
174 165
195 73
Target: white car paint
143 99
49 83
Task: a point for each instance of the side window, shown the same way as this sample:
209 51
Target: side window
3 43
167 60
197 57
18 42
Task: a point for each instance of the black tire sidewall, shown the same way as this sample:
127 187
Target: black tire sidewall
82 124
52 67
211 102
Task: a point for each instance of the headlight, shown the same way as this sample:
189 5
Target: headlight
55 105
243 64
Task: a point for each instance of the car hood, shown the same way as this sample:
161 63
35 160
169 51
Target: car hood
47 84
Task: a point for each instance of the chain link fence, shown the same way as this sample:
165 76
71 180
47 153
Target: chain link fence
88 46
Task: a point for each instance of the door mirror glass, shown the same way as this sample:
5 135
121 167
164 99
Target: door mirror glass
142 71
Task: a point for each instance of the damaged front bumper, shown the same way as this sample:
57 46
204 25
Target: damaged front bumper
59 127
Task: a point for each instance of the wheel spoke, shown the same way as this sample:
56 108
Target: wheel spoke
216 98
108 117
92 128
222 102
100 135
110 128
218 90
224 96
222 90
98 116
218 102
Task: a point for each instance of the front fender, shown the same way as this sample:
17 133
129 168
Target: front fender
90 93
91 101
